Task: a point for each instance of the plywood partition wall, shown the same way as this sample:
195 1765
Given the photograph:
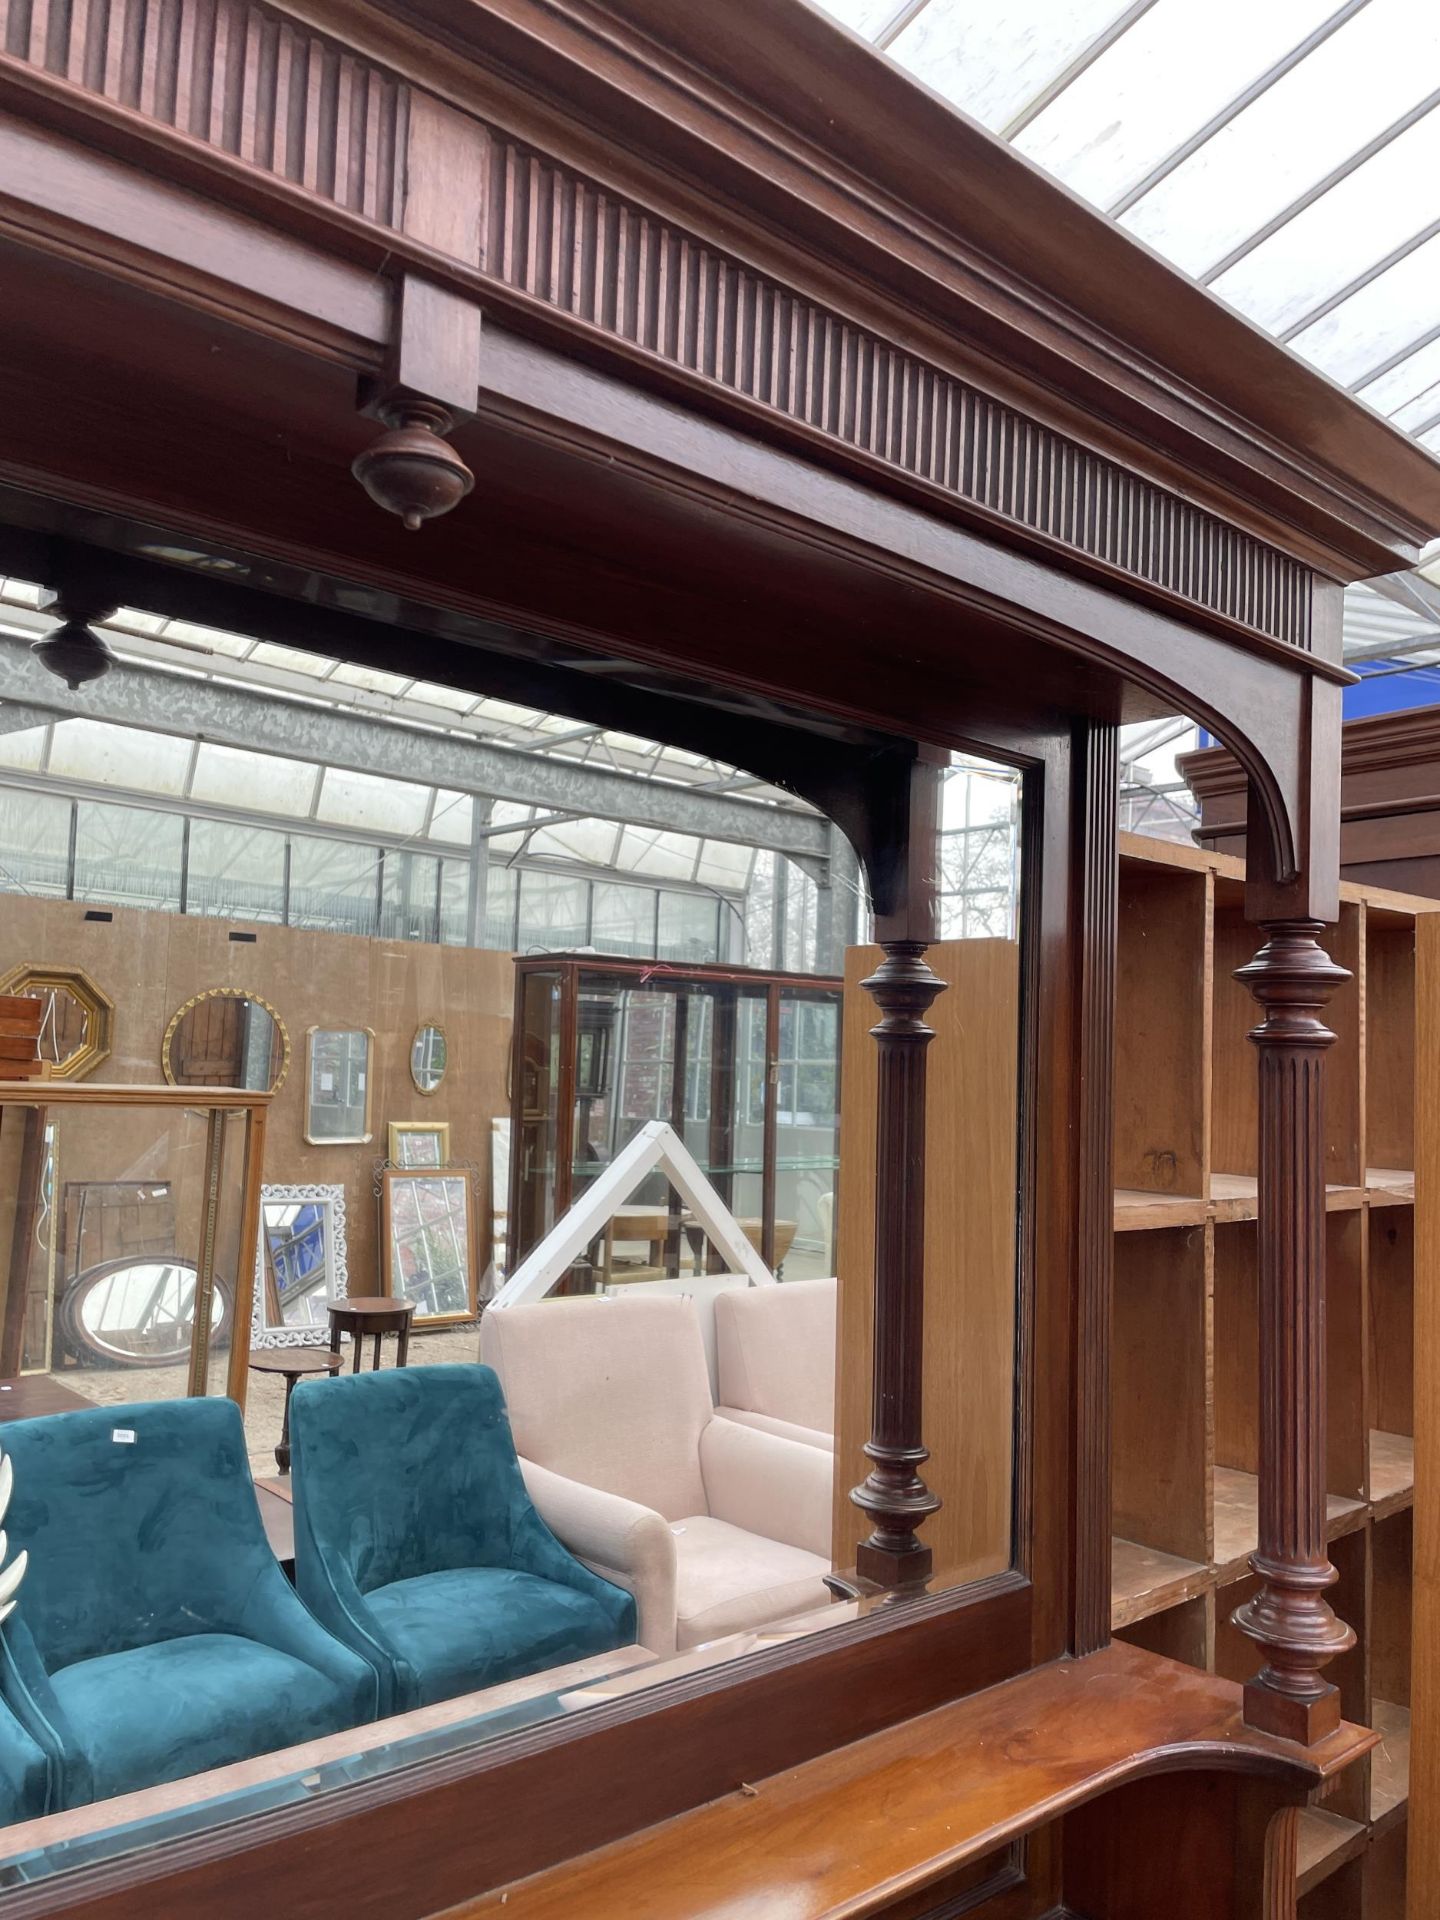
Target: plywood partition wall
970 1235
150 963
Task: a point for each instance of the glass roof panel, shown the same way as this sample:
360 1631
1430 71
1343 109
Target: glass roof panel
119 756
368 679
1355 84
668 856
1408 377
1172 71
1431 440
1361 333
724 865
1358 222
454 699
24 749
592 841
1422 411
992 60
236 645
452 816
21 593
867 17
292 659
260 782
369 804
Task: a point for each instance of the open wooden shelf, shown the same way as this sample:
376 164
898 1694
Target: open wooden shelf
1392 1472
1390 1762
1237 1518
1135 1211
1144 1581
1327 1841
1186 1320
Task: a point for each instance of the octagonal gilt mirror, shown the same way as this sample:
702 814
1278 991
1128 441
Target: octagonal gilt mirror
78 1021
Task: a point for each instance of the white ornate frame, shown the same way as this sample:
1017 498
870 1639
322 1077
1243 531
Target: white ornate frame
263 1338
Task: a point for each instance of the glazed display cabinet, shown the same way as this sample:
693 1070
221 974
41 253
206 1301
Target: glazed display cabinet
744 1065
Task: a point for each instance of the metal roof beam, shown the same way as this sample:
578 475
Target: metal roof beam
17 717
233 716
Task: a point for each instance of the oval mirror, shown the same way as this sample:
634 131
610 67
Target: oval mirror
226 1038
137 1312
428 1058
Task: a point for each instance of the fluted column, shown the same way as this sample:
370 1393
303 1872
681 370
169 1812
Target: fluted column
1292 977
893 1494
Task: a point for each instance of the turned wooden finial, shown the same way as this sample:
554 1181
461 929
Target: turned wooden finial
1292 977
73 651
411 470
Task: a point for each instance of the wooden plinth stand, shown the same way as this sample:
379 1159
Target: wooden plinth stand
1292 977
893 1494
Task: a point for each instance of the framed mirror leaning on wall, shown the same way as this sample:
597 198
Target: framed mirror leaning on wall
339 1086
300 1265
427 1246
419 1143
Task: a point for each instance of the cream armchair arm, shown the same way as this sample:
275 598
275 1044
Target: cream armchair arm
618 1539
768 1484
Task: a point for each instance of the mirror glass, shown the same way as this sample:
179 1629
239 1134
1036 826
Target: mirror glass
428 1058
301 1263
139 1312
337 1109
226 1039
427 1245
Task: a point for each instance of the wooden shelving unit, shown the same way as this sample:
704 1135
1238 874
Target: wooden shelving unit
1185 1352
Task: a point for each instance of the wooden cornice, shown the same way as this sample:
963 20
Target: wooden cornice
878 311
1370 744
822 160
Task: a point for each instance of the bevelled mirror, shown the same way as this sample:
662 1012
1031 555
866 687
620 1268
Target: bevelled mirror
300 1265
226 1037
339 1086
429 1057
77 1021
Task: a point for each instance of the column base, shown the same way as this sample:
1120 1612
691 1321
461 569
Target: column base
1303 1721
885 1567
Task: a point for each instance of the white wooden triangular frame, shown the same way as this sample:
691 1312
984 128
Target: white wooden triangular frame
656 1148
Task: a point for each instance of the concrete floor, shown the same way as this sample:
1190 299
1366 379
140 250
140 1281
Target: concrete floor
265 1395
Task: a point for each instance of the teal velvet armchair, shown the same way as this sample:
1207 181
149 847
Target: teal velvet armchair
155 1635
416 1542
25 1775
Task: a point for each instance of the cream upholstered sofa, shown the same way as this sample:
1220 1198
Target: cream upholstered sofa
775 1355
713 1526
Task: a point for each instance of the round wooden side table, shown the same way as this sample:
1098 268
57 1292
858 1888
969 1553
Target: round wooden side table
376 1315
293 1363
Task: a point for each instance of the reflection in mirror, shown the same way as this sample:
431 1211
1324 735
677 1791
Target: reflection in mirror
78 1017
226 1038
426 1249
138 1313
429 1057
419 1143
694 1219
300 1266
339 1086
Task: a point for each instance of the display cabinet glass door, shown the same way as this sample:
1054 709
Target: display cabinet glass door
745 1069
